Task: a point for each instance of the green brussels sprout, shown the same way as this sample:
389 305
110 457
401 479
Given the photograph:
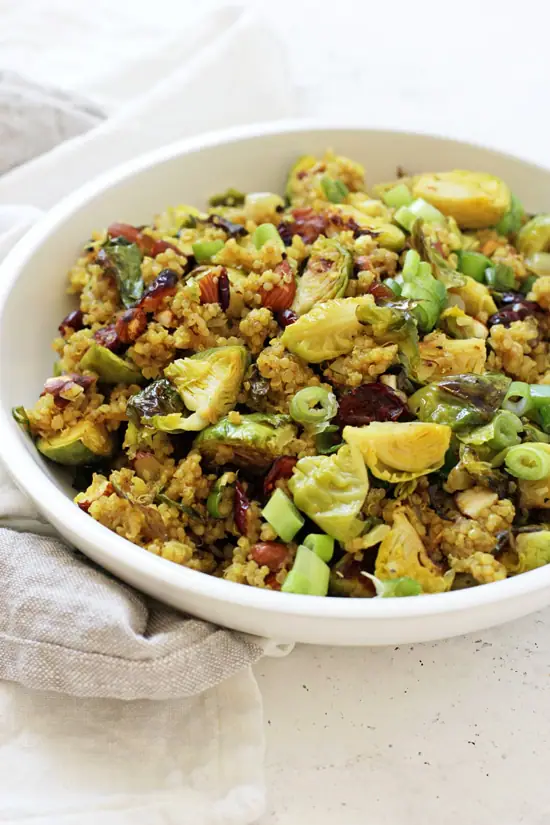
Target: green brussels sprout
393 323
441 270
325 276
209 383
254 442
82 444
531 550
158 399
476 298
511 222
297 175
441 356
344 216
534 236
460 401
331 489
326 331
110 368
454 322
123 260
476 200
482 472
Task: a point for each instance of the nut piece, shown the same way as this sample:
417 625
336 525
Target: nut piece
130 325
269 554
472 502
281 296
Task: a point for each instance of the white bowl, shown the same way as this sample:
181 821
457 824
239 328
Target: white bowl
33 301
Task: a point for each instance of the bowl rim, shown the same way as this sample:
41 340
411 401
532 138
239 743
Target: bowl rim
51 500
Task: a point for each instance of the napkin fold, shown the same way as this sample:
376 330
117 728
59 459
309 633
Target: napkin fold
189 746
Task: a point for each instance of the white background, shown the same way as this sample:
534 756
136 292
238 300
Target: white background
455 732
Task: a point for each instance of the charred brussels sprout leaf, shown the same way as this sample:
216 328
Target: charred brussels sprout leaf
393 323
84 443
159 398
531 550
534 237
124 260
325 276
348 579
254 442
456 323
440 268
460 401
331 491
209 383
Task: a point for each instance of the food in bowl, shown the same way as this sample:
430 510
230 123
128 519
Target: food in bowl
330 392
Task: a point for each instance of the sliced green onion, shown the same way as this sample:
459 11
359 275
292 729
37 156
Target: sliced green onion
540 394
410 264
405 218
539 263
531 433
424 268
506 429
395 588
530 462
205 250
217 496
321 544
511 222
544 418
334 190
309 575
527 285
313 407
266 232
394 285
473 264
397 196
425 211
500 277
283 515
518 399
20 416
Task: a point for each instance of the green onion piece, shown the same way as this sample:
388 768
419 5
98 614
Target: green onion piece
425 211
527 285
500 277
506 429
266 232
511 222
473 264
539 263
398 196
335 191
321 544
394 285
540 394
395 588
205 250
217 496
410 264
309 575
313 407
529 462
20 416
283 515
405 218
328 442
531 433
544 418
518 399
424 268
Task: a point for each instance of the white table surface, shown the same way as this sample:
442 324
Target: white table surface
454 732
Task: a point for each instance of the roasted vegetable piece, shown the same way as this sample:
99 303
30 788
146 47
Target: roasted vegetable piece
396 452
393 323
254 443
159 398
123 260
534 236
110 368
331 491
428 253
460 401
476 299
531 550
309 574
326 331
396 588
300 172
441 356
511 222
502 432
231 197
85 443
474 199
281 513
325 276
457 324
428 294
209 383
402 554
343 217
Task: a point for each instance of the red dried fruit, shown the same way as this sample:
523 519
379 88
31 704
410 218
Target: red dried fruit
282 467
107 490
306 223
109 338
380 293
517 311
164 285
286 318
241 509
130 325
363 263
224 290
271 581
72 322
124 230
281 296
270 554
62 384
148 245
162 246
369 402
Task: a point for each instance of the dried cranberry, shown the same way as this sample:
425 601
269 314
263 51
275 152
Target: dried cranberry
63 383
369 402
517 311
124 230
130 325
286 317
147 244
306 223
224 291
282 467
164 284
363 263
270 554
84 505
241 509
72 322
162 246
108 337
234 230
381 293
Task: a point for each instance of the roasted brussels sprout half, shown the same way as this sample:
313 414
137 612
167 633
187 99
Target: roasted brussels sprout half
534 237
460 401
476 298
476 200
402 554
326 331
393 323
209 383
110 368
325 276
441 356
441 270
84 443
530 550
396 452
454 322
331 489
252 443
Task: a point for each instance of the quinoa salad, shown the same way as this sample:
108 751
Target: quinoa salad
331 391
